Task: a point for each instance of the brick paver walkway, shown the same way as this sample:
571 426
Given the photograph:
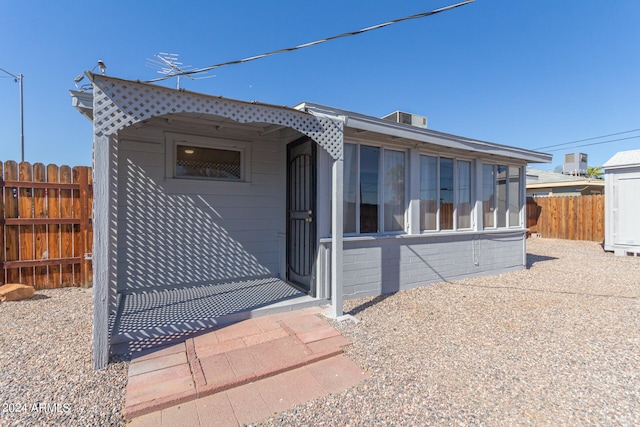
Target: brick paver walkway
241 373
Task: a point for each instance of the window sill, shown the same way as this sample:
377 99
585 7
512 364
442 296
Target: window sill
429 234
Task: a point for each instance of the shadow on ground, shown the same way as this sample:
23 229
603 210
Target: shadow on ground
370 303
533 258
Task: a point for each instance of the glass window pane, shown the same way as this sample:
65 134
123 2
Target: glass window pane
446 194
350 183
514 196
501 195
488 196
463 210
428 192
369 165
207 162
393 190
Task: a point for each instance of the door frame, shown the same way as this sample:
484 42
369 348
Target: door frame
312 237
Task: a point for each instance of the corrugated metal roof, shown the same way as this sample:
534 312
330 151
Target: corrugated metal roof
623 158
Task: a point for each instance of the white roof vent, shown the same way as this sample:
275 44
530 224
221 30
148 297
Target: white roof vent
407 119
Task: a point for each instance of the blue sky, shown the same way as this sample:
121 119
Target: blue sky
522 73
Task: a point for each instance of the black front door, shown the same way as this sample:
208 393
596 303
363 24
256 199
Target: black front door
301 207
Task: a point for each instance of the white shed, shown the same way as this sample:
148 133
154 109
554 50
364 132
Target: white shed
622 204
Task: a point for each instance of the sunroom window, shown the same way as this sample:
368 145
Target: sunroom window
394 186
445 194
501 199
501 195
428 193
463 210
514 196
488 196
374 189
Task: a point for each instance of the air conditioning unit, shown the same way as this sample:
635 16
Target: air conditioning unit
575 164
407 119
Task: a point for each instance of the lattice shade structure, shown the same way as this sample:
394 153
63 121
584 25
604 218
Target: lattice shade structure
119 103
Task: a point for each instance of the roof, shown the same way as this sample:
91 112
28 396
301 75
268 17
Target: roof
399 130
622 159
537 178
360 122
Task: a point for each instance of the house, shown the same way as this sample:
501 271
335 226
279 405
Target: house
622 181
548 183
197 193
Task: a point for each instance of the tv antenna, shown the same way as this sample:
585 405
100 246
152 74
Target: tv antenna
168 65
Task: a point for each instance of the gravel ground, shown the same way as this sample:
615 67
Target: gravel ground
47 375
556 344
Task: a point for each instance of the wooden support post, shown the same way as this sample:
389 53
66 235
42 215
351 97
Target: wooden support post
101 248
337 220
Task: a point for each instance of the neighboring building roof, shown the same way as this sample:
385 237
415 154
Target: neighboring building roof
537 178
622 159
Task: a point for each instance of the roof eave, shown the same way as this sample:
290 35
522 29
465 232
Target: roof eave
399 130
83 102
595 183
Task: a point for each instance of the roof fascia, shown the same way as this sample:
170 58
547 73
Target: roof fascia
83 102
598 183
398 130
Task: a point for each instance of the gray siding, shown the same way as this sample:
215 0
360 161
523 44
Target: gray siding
181 231
386 265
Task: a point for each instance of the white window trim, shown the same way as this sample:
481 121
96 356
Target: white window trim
172 140
382 148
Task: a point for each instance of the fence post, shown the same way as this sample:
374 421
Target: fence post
25 211
41 273
3 274
11 232
83 180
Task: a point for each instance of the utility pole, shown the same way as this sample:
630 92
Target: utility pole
18 78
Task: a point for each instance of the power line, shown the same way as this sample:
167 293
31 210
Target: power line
598 143
586 139
302 46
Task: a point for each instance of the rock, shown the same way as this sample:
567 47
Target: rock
15 292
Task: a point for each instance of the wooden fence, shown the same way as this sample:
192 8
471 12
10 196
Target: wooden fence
567 217
45 225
